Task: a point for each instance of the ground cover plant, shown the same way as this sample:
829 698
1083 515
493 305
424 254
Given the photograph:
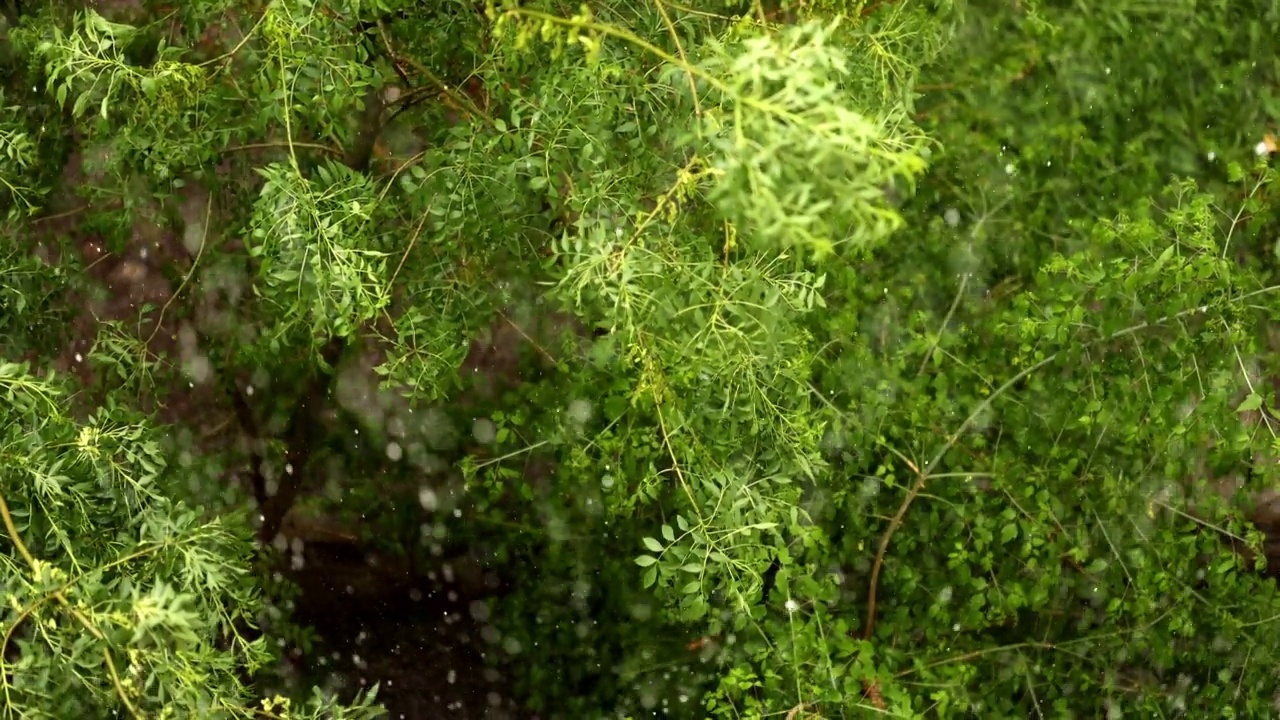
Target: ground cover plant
831 359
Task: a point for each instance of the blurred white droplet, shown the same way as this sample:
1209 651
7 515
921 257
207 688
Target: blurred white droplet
951 217
394 451
580 411
199 369
484 431
427 498
193 237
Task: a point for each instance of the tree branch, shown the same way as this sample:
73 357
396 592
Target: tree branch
300 436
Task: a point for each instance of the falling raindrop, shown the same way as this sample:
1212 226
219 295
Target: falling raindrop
484 431
427 498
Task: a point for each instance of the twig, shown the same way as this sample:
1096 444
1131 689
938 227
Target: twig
461 99
295 144
204 240
231 53
955 303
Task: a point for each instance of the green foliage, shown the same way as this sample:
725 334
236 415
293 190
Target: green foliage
17 155
916 357
116 597
316 252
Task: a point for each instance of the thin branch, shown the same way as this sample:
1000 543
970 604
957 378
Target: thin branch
675 38
460 99
955 303
268 145
204 240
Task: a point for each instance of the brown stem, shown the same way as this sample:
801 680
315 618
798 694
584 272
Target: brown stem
876 566
361 151
300 439
249 425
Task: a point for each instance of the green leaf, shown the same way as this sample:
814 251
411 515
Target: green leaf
646 560
1252 402
1008 532
649 577
668 534
653 545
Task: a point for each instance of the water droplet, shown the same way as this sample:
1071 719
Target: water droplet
580 411
484 431
427 498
